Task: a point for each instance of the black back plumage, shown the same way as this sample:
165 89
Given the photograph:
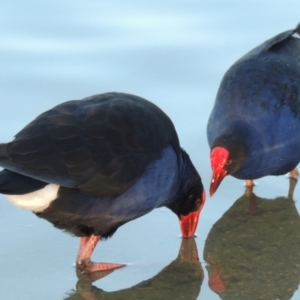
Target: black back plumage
101 144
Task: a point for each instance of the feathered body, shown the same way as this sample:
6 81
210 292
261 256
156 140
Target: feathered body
256 115
89 166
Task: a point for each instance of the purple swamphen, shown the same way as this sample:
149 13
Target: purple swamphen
254 127
89 166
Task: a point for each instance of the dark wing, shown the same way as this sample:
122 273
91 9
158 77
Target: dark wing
278 39
275 43
101 144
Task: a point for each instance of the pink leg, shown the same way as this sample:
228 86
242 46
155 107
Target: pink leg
82 242
83 260
249 182
294 173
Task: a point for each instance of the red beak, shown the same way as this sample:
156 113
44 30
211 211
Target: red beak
188 223
217 178
218 158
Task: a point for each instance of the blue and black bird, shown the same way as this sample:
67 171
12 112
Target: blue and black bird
254 128
89 166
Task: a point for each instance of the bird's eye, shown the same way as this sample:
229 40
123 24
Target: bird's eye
229 162
198 201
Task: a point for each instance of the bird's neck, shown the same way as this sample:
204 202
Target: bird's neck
188 177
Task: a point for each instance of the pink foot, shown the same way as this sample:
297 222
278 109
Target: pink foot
83 261
89 266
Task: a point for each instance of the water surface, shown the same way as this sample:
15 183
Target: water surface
173 53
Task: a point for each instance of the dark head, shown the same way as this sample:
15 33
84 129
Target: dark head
227 156
190 197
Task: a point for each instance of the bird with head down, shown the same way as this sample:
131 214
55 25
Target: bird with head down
254 127
90 166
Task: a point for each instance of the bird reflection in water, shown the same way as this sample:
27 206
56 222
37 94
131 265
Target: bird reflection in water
253 251
181 279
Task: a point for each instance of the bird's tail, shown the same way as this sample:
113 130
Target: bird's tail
3 151
297 29
3 156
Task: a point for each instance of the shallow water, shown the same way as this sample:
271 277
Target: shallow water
173 53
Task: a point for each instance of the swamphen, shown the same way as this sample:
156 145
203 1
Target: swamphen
254 128
89 166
